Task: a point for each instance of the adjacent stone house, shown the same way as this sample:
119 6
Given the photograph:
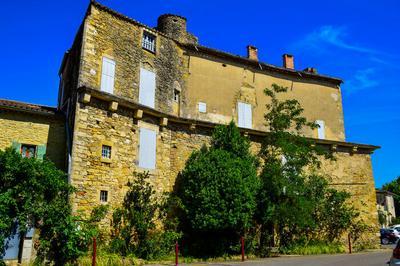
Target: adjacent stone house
137 98
385 205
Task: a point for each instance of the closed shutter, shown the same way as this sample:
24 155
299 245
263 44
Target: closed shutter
244 115
147 87
147 148
321 129
107 75
41 151
16 146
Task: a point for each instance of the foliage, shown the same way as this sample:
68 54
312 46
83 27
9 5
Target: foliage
313 248
295 200
35 193
134 224
382 218
217 189
394 187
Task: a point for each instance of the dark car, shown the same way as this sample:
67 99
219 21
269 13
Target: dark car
388 236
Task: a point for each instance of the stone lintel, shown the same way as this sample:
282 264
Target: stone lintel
138 114
113 106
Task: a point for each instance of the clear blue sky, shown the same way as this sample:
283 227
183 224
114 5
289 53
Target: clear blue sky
358 41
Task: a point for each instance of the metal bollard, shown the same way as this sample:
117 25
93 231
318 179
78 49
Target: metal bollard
242 243
176 253
349 238
94 252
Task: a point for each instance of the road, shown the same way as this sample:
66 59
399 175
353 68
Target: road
374 258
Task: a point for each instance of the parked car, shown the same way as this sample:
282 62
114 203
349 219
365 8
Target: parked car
389 236
395 259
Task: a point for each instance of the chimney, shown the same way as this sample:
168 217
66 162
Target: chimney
252 52
288 61
311 70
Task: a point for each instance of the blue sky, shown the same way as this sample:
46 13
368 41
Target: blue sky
358 41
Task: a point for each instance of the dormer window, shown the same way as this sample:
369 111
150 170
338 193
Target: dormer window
149 41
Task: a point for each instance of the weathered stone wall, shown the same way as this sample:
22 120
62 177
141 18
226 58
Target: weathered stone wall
107 35
34 129
175 142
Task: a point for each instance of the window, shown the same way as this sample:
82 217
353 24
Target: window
177 95
107 75
321 129
103 195
106 152
202 107
149 41
147 87
28 151
147 148
244 115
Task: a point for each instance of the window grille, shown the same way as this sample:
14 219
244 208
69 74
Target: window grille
149 42
106 152
103 195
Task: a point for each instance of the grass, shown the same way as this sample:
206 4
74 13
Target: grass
314 249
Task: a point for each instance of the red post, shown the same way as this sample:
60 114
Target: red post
349 237
94 252
176 253
242 243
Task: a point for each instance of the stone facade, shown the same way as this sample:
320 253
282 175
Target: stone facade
186 74
34 129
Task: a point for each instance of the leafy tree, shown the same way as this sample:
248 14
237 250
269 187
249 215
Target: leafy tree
135 223
394 187
217 189
34 193
295 201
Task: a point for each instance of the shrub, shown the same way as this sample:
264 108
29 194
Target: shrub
134 224
217 189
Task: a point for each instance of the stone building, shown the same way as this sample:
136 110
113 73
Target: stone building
385 205
137 98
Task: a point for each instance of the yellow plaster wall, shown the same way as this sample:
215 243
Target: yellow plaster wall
35 130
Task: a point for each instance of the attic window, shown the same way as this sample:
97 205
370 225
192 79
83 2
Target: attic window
149 41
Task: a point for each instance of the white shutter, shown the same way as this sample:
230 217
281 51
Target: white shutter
248 116
321 129
147 87
244 115
202 107
107 75
147 148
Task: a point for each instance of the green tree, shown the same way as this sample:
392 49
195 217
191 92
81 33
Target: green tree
135 223
34 193
218 189
295 201
394 187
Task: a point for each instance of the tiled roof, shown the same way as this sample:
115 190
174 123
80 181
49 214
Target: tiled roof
27 107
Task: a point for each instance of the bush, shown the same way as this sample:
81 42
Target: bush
134 228
35 193
217 189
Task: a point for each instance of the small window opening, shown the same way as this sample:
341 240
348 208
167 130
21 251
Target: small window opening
103 196
106 152
28 151
149 41
177 95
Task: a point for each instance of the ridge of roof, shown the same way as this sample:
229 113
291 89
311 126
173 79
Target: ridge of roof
200 48
27 107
